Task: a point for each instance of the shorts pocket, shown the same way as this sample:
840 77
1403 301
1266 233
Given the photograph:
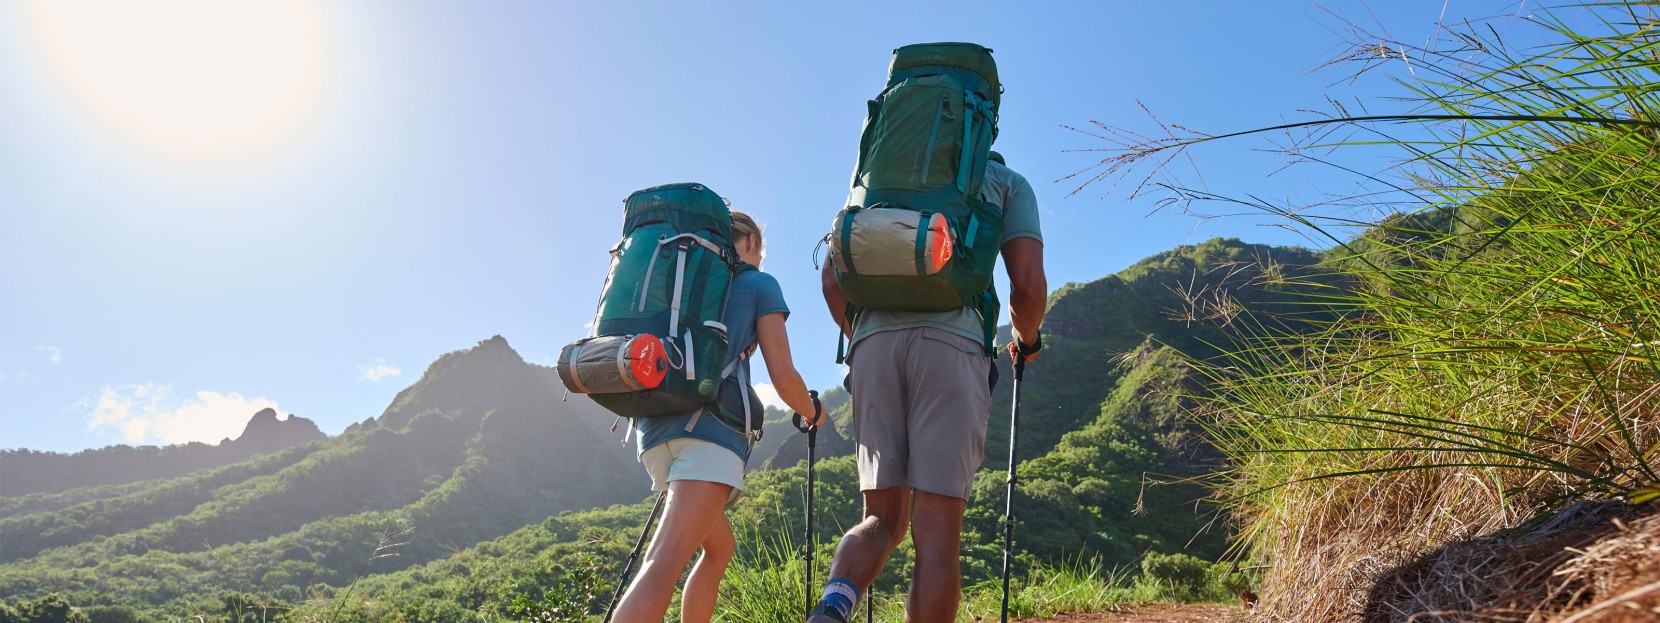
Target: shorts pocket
961 343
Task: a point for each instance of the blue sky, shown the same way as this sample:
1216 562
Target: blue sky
206 210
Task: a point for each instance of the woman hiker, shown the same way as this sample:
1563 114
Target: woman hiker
703 468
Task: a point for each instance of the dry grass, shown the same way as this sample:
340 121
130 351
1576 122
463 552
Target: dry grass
1590 562
1493 388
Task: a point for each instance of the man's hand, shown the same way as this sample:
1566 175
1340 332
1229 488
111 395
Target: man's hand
1020 351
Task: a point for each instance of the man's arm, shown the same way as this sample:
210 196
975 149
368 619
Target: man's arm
1028 288
835 299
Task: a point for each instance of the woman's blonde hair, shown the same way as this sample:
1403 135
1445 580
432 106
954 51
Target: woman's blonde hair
743 225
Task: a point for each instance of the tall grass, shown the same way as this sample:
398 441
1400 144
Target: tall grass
1073 585
764 584
1499 351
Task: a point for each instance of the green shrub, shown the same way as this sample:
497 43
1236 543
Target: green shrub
1179 577
1185 578
111 614
569 601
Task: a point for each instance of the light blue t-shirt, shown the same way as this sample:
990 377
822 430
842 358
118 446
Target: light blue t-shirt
1002 187
754 294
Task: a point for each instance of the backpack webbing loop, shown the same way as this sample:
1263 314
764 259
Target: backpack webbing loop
922 243
847 240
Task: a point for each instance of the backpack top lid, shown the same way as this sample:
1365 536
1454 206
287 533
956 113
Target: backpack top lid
927 58
688 206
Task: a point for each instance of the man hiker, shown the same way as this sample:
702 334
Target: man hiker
921 400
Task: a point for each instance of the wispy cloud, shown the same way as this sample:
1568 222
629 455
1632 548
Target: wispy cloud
150 413
53 353
377 371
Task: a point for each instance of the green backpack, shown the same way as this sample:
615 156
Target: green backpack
916 233
658 346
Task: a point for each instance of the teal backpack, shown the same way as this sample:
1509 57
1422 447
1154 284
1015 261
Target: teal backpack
658 346
916 234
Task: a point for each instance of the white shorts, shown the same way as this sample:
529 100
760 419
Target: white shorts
693 459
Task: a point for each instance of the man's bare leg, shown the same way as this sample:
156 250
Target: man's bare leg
936 534
864 550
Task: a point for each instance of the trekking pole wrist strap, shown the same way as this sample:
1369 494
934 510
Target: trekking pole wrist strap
1029 349
802 423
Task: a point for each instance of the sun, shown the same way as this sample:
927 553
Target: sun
190 79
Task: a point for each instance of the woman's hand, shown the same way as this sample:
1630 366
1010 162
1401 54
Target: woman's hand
807 423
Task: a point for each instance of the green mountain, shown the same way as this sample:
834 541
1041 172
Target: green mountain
481 445
27 472
475 486
1105 440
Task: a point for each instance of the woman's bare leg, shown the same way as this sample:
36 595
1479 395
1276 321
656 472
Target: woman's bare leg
697 601
694 507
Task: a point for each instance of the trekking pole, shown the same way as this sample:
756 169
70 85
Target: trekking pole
1008 510
628 568
811 429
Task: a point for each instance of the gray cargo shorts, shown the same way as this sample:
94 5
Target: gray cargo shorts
920 406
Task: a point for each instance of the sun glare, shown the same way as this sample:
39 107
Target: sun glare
190 79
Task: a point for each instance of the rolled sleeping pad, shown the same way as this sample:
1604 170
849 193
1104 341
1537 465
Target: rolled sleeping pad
890 241
613 364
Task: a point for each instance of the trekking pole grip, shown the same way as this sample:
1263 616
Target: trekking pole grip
1019 351
803 424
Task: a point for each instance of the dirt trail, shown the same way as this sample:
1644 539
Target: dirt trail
1155 613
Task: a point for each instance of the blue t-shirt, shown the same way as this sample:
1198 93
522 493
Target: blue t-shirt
754 294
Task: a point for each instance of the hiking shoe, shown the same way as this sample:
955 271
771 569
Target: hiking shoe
825 614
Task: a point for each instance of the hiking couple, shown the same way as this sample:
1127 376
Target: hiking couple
909 286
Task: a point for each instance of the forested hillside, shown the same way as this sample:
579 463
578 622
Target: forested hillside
1104 436
474 487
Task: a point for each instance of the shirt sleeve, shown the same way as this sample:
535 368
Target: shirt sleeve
1020 215
769 296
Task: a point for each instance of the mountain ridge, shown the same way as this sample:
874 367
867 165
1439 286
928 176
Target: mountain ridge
485 477
29 471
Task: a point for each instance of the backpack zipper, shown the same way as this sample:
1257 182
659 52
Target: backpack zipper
970 106
928 155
